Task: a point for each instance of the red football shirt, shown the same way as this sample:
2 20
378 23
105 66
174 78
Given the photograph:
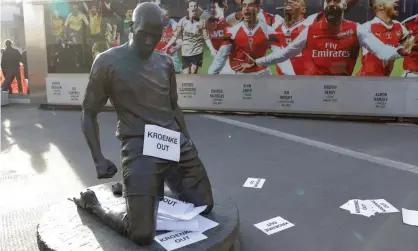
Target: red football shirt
389 35
286 35
167 34
255 42
410 62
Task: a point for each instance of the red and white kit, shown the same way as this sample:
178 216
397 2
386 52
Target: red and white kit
410 63
216 29
391 35
333 49
294 65
240 40
167 35
262 16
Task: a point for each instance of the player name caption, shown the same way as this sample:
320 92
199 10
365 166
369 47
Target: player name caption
217 96
286 99
330 93
56 88
254 182
161 143
274 225
380 99
177 239
187 90
74 94
247 91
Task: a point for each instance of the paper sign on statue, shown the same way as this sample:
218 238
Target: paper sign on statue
274 225
161 143
254 182
177 239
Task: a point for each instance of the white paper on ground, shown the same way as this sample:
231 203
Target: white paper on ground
161 143
274 225
187 215
382 206
177 239
170 225
254 182
410 217
171 206
348 206
205 224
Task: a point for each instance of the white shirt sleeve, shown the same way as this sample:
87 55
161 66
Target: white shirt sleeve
405 32
231 19
291 50
220 59
375 46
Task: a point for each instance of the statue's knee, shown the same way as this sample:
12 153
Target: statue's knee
143 236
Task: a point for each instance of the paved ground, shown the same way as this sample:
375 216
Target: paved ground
311 168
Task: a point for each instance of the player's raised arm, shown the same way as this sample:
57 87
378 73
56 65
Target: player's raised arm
293 49
378 48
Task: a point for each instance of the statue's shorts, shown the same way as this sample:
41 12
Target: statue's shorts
145 175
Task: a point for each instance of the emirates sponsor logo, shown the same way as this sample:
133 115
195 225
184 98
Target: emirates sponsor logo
330 54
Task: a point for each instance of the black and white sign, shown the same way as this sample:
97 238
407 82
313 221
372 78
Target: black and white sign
247 91
161 143
187 90
177 239
254 182
286 100
369 207
330 90
217 96
274 225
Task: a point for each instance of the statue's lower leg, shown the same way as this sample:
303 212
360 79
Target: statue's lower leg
137 221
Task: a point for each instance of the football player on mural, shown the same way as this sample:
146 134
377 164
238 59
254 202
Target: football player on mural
170 25
287 31
387 30
191 29
262 15
332 45
251 36
410 63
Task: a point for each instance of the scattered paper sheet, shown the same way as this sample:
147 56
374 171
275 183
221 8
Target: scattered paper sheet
410 217
254 182
177 239
170 225
205 224
368 208
274 225
171 206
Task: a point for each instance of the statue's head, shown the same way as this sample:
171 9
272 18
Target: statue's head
147 27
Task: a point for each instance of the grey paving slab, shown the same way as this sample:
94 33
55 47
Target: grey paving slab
46 159
394 141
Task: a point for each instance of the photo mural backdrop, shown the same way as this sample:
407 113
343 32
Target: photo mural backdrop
228 36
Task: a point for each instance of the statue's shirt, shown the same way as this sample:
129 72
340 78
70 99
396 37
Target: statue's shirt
141 91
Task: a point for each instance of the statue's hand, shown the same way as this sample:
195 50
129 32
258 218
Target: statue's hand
87 200
105 169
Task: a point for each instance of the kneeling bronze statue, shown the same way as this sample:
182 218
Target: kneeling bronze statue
140 82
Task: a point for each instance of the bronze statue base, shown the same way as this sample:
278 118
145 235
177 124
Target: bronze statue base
66 227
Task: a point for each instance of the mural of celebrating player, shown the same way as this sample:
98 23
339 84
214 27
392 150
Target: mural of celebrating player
249 36
332 45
